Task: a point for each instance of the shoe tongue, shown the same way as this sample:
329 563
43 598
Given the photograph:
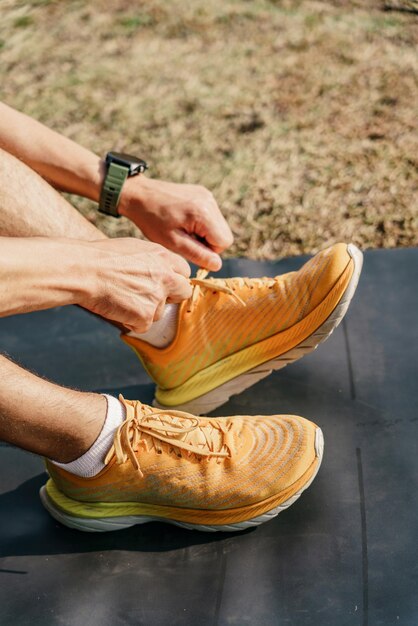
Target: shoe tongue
196 437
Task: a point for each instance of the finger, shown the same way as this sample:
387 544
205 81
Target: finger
213 227
178 264
159 311
196 252
135 329
138 327
179 290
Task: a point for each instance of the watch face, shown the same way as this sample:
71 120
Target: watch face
135 165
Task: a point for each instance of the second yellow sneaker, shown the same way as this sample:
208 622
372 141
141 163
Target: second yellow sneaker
211 474
234 332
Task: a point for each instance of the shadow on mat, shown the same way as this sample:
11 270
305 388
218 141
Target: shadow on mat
27 529
144 393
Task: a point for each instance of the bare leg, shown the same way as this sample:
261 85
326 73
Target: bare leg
30 207
47 419
35 414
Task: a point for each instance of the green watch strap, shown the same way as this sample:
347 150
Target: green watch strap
111 189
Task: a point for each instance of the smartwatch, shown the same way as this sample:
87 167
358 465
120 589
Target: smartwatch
119 167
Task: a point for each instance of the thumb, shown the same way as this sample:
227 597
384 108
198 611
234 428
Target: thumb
196 252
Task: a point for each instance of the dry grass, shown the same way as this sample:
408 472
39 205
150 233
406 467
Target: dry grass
299 115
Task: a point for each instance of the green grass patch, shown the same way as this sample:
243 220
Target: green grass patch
312 20
41 3
384 22
23 21
133 22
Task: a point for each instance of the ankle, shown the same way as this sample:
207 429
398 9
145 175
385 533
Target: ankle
92 461
87 426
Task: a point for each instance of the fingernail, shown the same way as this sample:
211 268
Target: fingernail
216 263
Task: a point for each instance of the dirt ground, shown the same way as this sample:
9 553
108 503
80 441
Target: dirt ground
300 116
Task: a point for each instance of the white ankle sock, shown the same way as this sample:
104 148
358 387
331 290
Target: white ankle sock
161 333
92 461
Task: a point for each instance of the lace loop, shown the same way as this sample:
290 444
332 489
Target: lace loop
213 284
169 428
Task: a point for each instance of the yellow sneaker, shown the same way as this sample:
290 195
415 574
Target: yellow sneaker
233 332
204 473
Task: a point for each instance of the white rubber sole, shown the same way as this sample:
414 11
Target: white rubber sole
213 399
107 524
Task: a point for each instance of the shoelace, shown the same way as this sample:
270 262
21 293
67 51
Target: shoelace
227 285
212 283
161 428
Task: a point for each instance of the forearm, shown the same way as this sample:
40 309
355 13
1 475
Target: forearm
65 164
40 273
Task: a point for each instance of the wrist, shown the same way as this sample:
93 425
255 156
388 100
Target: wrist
119 167
70 269
72 276
93 178
82 271
133 195
82 175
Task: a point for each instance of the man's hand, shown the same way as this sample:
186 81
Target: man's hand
129 281
124 280
183 218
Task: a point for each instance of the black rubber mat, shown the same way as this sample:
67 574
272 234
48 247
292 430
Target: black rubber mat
345 553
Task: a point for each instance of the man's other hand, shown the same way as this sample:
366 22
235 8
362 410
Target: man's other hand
183 218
